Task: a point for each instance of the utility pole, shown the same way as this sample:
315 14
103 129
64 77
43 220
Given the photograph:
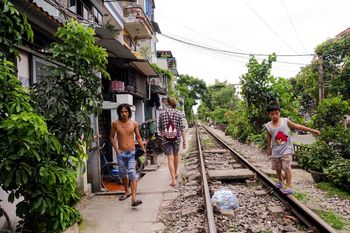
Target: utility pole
320 77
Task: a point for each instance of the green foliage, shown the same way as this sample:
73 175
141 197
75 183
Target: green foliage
170 79
220 97
339 172
14 27
318 157
332 218
300 196
337 139
336 57
330 112
239 126
220 94
70 94
257 90
218 115
332 190
282 90
193 89
305 87
30 155
258 139
27 150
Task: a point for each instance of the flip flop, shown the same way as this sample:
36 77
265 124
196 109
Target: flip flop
287 191
136 203
172 185
122 198
278 185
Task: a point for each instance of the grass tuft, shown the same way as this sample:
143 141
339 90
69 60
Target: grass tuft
332 218
332 191
300 196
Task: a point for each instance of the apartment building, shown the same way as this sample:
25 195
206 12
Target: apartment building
128 32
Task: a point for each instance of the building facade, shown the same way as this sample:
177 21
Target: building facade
128 32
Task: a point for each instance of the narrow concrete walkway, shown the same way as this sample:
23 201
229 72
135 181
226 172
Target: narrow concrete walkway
105 213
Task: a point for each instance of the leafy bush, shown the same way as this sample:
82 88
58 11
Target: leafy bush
258 139
70 94
318 157
27 150
339 172
34 166
337 139
330 112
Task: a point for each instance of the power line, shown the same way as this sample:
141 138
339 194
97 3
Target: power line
229 58
230 55
205 36
234 52
267 25
291 22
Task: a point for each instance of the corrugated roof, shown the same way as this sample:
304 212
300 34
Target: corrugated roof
41 10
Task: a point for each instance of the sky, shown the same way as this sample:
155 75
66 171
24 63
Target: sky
286 27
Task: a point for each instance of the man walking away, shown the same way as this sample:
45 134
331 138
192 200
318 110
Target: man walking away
124 129
171 127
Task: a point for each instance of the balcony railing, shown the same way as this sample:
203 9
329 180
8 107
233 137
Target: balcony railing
137 23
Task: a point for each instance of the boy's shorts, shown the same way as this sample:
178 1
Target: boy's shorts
282 163
127 165
171 148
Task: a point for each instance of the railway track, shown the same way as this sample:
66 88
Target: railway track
304 214
213 165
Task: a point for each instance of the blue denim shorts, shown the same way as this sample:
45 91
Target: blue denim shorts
127 165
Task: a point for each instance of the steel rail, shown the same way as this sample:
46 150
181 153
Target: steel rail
209 207
304 213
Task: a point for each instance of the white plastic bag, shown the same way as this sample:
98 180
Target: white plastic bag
224 198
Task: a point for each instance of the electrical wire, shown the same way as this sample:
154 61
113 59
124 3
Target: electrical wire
267 25
199 33
234 52
291 22
228 58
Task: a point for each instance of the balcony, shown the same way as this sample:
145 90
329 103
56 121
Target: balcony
137 23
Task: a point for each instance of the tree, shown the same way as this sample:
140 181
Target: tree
305 87
282 90
221 94
72 92
193 89
336 57
256 89
28 151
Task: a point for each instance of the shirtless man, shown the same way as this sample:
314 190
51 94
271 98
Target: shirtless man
124 129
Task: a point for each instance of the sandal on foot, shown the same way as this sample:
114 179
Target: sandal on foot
136 203
173 185
287 191
278 185
125 196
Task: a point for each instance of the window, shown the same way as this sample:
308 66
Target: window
72 5
97 15
39 71
23 69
